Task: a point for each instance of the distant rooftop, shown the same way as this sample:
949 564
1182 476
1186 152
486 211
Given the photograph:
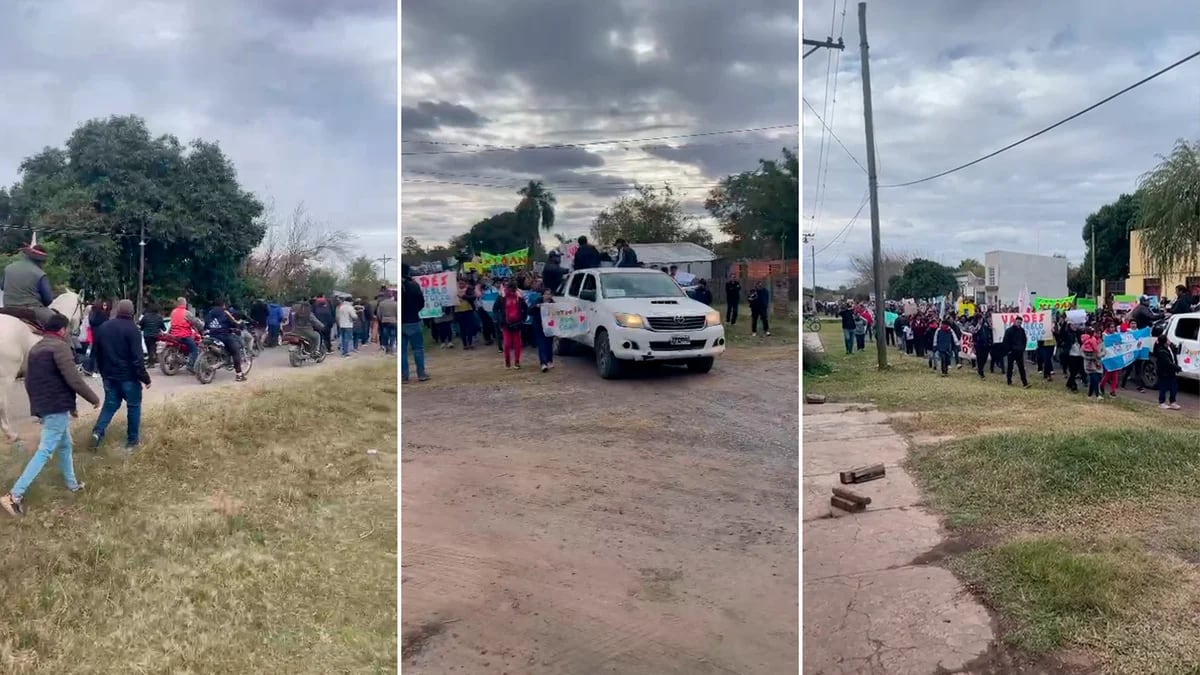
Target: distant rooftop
683 251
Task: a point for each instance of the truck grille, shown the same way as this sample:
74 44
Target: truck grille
676 323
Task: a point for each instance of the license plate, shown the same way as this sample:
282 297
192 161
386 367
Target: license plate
681 340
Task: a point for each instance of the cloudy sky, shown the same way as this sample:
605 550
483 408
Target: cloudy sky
546 72
956 80
301 94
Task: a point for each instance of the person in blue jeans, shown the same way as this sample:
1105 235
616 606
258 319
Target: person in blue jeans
52 382
545 343
118 350
847 316
412 301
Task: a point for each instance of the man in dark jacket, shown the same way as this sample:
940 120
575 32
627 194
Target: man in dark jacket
152 325
412 301
52 382
702 294
587 257
1015 341
982 339
733 298
324 313
626 256
26 286
117 347
553 273
1183 300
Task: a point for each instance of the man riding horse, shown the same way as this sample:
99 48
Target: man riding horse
26 287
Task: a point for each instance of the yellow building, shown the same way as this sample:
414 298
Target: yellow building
1145 281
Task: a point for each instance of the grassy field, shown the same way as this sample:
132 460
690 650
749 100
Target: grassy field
252 533
1078 521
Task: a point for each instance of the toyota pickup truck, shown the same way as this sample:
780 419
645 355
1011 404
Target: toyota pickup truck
638 315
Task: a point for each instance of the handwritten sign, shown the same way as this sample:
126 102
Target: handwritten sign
501 272
430 312
440 290
512 259
1037 325
1061 304
563 320
965 308
1189 360
966 348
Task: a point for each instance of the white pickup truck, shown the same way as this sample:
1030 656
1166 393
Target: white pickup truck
636 314
1183 331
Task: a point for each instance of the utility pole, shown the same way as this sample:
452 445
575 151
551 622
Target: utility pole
384 260
808 237
141 269
1093 252
873 186
828 43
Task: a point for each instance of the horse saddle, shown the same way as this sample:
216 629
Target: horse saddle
26 314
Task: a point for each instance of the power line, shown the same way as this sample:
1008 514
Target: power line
1057 124
559 146
821 156
839 141
866 198
823 173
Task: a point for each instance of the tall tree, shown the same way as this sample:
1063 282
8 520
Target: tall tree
893 263
1170 215
93 198
292 249
922 279
535 212
362 278
759 210
1111 223
650 215
498 233
411 248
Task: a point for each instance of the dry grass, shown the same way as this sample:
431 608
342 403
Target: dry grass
252 533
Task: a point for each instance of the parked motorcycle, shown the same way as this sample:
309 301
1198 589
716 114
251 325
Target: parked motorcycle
213 357
300 351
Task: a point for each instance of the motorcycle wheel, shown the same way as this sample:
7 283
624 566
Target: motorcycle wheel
206 370
294 357
320 356
170 363
247 362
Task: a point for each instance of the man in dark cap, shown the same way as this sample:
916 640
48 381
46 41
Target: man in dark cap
26 286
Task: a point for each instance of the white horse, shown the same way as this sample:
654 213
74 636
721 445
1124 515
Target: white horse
16 339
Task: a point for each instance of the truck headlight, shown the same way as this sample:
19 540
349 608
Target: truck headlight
711 319
629 320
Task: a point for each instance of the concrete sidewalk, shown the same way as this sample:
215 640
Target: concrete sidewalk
872 602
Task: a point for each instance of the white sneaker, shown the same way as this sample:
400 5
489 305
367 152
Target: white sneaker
1164 406
754 335
1174 406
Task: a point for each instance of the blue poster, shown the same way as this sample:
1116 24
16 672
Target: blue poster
1122 349
501 272
530 298
488 298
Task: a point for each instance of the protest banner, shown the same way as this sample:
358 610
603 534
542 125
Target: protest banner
530 298
440 290
567 254
1061 304
1076 317
966 349
430 312
475 266
889 319
487 299
1036 325
1122 349
563 319
965 307
501 272
1085 304
1124 303
511 259
910 307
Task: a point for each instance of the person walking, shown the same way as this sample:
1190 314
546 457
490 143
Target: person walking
1166 359
1092 349
848 324
945 343
733 298
345 324
118 351
1015 341
412 336
464 313
513 311
52 382
982 339
760 301
152 325
545 343
325 315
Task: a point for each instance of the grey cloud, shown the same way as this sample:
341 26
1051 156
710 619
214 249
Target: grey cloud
438 114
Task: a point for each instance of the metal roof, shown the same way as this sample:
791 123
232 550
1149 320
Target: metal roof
683 251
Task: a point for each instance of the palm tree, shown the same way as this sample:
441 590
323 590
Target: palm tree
535 212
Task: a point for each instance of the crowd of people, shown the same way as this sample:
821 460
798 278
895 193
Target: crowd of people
1075 345
114 345
506 312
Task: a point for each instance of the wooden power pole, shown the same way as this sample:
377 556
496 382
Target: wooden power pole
873 186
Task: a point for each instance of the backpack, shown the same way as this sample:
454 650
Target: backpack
512 311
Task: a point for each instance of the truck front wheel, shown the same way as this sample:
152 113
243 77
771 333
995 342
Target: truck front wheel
608 365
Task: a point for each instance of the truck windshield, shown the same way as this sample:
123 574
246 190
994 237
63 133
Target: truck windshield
631 285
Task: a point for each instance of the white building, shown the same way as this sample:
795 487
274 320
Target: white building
688 257
971 287
1006 273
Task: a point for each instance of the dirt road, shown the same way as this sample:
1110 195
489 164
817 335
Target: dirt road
559 523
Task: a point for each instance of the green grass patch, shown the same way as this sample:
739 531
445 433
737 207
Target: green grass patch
1008 478
1055 592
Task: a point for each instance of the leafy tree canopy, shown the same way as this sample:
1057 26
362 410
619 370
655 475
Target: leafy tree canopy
650 215
1112 223
759 210
922 279
971 265
92 198
1169 218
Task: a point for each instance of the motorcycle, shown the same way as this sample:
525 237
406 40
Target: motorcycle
252 339
213 357
172 355
300 351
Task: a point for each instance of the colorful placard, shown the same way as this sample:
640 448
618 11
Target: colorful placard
440 290
1061 304
1122 349
561 319
966 348
512 259
1037 325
